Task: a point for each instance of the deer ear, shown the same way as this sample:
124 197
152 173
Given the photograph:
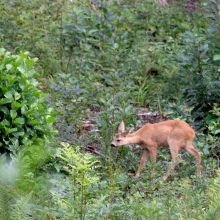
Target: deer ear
121 128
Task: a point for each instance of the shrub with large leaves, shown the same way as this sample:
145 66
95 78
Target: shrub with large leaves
24 115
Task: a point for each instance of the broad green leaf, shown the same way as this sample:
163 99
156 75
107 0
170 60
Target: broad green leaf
30 63
16 105
50 119
17 96
24 109
12 130
20 133
19 121
35 122
11 79
5 122
21 69
217 131
9 66
13 114
22 85
4 101
34 82
9 95
216 57
4 109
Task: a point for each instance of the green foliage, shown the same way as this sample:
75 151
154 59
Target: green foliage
81 168
26 26
109 49
10 209
5 201
214 199
198 72
97 56
213 120
23 111
117 196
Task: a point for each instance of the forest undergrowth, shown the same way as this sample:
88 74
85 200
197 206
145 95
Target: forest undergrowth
101 62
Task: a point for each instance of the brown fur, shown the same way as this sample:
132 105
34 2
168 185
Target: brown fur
175 134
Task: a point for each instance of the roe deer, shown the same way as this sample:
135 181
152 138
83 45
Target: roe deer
175 134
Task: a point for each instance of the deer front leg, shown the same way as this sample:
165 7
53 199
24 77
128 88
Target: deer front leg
153 154
175 157
141 163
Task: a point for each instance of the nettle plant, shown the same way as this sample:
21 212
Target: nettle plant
24 115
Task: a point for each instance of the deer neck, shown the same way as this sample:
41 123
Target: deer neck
133 139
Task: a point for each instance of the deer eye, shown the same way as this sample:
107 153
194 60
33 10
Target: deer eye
118 140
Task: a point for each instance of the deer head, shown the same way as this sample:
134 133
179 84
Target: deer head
121 137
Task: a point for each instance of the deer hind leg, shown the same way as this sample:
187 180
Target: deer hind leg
141 163
174 150
191 149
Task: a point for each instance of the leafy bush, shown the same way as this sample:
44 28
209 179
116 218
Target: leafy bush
198 73
35 29
24 115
